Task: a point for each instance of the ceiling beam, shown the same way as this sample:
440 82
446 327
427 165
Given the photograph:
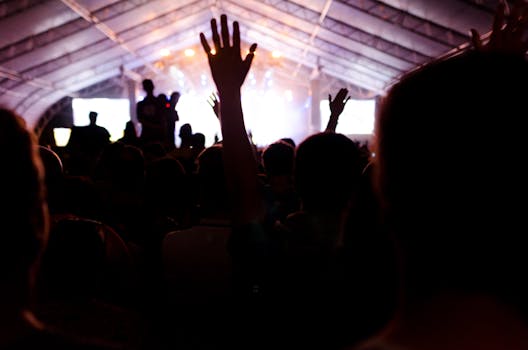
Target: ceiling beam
104 51
456 15
104 68
419 25
378 73
358 48
378 27
105 29
10 8
63 30
34 19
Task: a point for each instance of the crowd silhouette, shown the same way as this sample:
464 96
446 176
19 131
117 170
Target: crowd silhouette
143 244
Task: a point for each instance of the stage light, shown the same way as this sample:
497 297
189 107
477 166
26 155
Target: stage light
62 136
213 52
189 52
165 52
276 54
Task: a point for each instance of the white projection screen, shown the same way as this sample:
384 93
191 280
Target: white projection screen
113 113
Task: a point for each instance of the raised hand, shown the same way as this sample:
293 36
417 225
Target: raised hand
229 72
337 105
509 27
212 100
227 67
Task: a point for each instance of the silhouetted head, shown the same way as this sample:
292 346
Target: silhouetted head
186 131
327 171
148 86
24 216
121 165
166 184
277 159
72 266
163 98
130 130
93 117
289 141
52 165
54 175
213 191
175 97
451 172
198 141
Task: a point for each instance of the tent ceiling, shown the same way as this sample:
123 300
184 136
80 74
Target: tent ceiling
50 49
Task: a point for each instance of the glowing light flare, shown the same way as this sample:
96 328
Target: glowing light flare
213 52
165 52
276 54
189 53
62 136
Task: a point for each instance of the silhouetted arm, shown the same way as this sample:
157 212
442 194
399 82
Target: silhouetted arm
508 31
229 71
215 104
336 108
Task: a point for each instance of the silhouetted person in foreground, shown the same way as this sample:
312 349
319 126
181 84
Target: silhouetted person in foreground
290 285
454 195
24 220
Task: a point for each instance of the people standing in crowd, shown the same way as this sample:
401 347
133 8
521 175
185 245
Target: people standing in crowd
149 112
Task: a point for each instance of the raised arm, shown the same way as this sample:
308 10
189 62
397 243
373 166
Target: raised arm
229 71
337 105
508 30
215 105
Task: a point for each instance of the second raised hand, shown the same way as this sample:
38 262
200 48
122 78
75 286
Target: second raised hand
227 67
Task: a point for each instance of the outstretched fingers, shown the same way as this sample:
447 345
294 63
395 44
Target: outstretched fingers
205 44
225 31
341 95
216 37
249 57
236 37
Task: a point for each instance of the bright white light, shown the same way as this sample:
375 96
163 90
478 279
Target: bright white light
62 136
357 117
268 74
165 52
112 114
270 117
194 109
289 95
181 83
276 54
189 52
